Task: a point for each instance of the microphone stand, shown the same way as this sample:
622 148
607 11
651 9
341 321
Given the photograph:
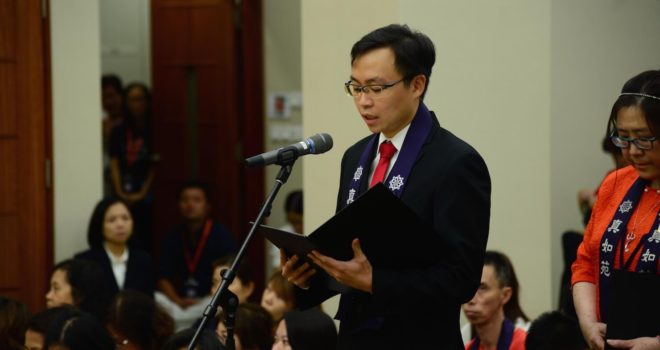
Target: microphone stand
230 302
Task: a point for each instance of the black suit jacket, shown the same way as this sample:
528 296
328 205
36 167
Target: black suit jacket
449 188
139 270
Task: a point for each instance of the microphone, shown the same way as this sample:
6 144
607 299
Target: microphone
317 144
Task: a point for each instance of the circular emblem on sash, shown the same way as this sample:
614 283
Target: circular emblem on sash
625 206
396 183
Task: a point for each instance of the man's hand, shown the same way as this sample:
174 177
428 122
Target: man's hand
186 302
356 273
298 275
647 343
595 335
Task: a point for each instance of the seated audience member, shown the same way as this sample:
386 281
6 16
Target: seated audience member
78 331
135 319
40 323
253 328
278 297
207 341
190 247
311 329
242 286
487 311
243 283
109 233
14 317
554 330
293 208
79 283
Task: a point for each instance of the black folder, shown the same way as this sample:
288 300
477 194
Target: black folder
391 235
634 310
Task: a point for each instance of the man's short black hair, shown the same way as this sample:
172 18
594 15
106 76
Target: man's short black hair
114 81
413 51
554 330
204 187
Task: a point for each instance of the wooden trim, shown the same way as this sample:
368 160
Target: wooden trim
252 107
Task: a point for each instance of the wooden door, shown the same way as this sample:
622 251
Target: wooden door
207 117
25 196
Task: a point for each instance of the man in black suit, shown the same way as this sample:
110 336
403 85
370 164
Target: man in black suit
440 177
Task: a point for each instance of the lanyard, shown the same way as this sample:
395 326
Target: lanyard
132 147
192 263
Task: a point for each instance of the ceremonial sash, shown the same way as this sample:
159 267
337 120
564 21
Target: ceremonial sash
649 244
396 179
504 340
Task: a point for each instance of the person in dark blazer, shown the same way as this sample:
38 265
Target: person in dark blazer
109 236
436 174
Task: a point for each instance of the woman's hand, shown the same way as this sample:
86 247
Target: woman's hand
646 343
594 334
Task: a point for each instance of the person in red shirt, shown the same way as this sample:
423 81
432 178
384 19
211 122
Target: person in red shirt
620 234
486 311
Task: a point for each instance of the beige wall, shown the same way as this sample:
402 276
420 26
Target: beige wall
75 52
509 79
491 87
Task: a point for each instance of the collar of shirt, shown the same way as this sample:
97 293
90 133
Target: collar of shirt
114 259
397 141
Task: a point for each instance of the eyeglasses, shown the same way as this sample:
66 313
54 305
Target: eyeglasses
644 143
373 90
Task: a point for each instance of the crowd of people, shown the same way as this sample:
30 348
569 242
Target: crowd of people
113 296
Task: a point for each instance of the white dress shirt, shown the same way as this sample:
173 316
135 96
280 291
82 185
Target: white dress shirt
118 266
397 141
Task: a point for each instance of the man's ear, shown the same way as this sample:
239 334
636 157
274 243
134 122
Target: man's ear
506 294
418 84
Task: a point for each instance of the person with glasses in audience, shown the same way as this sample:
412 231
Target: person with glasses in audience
437 175
622 234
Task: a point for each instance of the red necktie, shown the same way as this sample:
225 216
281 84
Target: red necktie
386 151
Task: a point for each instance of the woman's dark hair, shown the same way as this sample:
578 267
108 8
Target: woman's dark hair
646 83
88 290
95 236
78 330
140 320
310 329
14 317
253 326
554 330
506 276
207 340
42 321
130 118
413 51
294 202
244 272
